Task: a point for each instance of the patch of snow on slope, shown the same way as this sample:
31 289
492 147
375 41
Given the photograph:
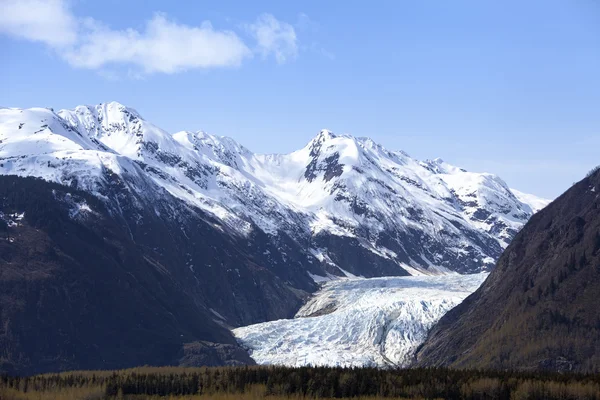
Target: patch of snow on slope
536 203
359 322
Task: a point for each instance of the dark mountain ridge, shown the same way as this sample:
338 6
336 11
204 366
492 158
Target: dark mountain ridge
538 309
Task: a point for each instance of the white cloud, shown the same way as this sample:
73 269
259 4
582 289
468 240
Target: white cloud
274 37
46 21
163 46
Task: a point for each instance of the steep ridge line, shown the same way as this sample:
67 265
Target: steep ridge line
348 200
538 310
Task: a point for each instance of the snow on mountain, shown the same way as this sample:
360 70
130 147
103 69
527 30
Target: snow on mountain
536 203
347 202
359 322
37 142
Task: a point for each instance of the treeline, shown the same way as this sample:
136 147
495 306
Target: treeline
593 171
305 382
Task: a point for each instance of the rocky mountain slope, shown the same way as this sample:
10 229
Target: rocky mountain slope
80 290
539 307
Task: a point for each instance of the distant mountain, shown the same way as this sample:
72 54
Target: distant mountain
348 202
536 203
198 225
538 309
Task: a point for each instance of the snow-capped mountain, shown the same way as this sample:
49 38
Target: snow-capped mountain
347 204
191 235
376 322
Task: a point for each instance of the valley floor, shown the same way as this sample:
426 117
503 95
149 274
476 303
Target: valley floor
359 322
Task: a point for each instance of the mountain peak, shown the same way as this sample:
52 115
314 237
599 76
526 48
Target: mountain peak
314 146
116 106
323 136
326 134
112 109
118 127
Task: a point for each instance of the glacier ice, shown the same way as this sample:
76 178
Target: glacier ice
359 322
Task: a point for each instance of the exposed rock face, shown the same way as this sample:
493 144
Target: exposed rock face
539 307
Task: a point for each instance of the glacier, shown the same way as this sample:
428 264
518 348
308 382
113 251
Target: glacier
356 322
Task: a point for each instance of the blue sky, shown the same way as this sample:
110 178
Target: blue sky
509 87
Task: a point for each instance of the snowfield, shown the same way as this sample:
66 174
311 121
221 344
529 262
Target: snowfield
340 193
359 322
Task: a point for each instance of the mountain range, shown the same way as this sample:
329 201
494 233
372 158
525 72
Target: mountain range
382 207
135 237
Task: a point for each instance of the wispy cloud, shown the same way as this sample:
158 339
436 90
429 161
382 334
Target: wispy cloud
274 37
46 21
163 46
